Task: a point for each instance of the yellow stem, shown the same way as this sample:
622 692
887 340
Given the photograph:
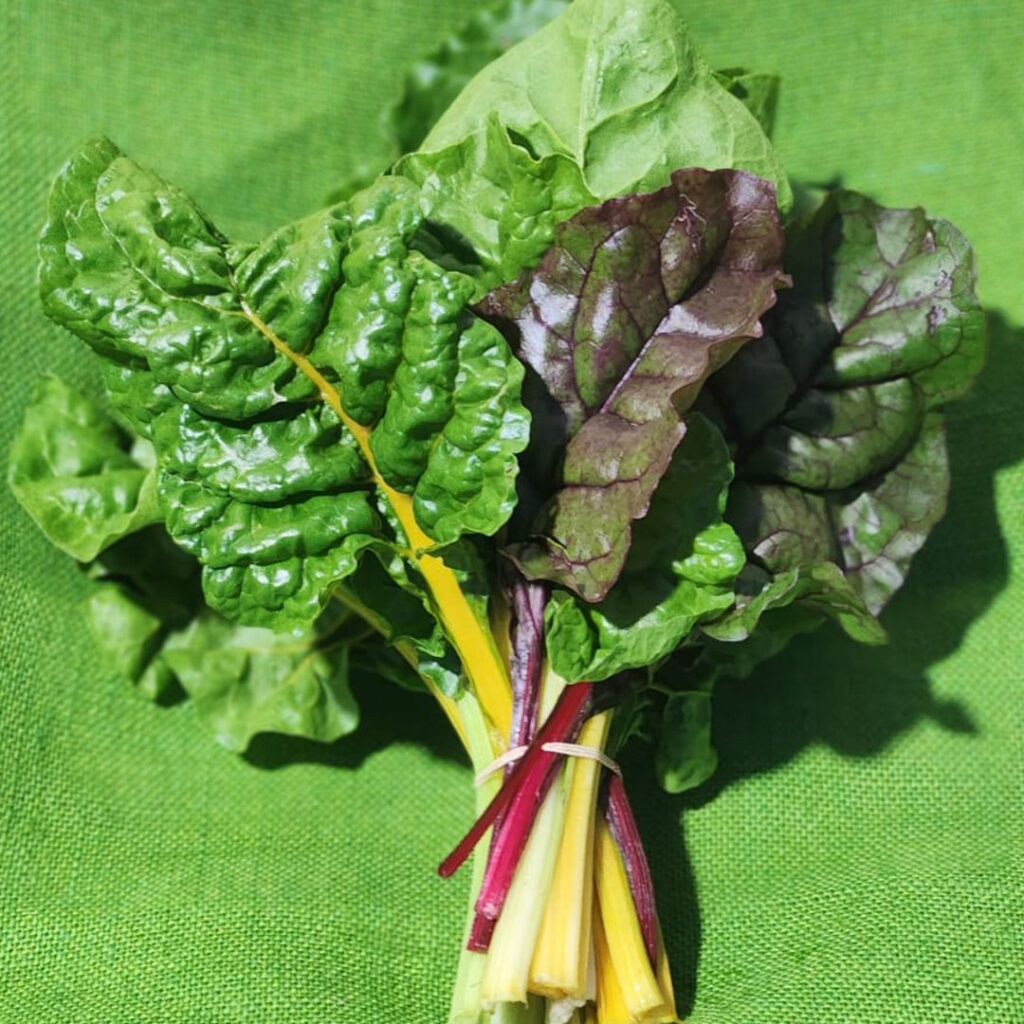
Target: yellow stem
472 640
561 957
628 990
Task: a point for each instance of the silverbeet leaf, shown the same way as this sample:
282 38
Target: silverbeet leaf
244 680
497 198
432 83
86 482
297 392
685 756
834 417
146 590
679 573
758 92
616 86
635 304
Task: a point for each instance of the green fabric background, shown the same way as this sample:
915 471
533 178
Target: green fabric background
859 857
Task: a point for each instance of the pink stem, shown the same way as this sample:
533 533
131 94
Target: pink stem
619 815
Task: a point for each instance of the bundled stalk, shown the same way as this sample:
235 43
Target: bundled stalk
559 866
535 419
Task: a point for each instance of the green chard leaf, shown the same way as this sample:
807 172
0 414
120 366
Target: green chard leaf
432 83
245 680
498 198
84 481
146 589
636 303
616 86
323 394
758 92
834 416
685 756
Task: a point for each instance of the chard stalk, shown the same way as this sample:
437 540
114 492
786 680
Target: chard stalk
622 824
523 789
561 958
515 934
515 931
629 991
465 1005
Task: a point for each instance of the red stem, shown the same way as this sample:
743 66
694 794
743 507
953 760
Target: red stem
619 815
527 774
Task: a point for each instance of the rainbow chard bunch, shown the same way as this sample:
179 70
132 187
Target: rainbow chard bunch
555 417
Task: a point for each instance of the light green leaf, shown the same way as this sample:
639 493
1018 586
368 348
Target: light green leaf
245 680
500 200
758 92
432 83
616 86
81 478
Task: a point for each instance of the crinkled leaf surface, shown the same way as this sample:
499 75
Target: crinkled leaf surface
616 86
834 419
679 572
84 481
636 303
318 395
432 83
503 202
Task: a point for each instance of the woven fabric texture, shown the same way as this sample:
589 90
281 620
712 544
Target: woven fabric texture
860 855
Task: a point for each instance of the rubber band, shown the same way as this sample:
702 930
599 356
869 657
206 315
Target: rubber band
566 749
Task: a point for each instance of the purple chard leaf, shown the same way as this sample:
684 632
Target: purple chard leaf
635 304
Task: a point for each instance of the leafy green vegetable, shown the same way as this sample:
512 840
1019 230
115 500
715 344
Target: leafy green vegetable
840 454
635 304
617 86
147 588
500 200
330 425
679 572
82 479
685 756
431 84
758 92
244 680
276 491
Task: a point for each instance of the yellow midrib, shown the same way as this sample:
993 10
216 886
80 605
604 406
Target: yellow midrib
473 643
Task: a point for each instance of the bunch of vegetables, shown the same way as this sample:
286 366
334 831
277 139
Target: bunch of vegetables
549 417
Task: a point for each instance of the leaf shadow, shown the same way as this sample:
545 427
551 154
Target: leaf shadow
824 689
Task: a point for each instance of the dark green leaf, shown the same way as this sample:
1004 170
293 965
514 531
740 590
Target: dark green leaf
840 455
225 355
685 757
